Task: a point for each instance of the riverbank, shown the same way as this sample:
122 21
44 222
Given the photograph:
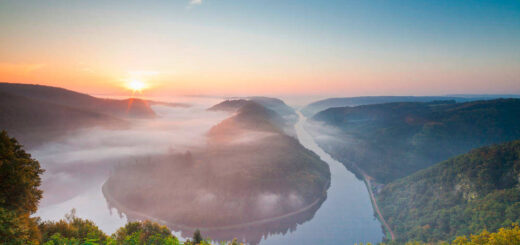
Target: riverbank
367 179
361 175
368 183
346 216
132 213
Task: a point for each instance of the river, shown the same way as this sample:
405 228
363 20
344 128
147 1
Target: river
345 217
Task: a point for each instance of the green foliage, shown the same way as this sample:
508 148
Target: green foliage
466 194
19 177
504 236
390 141
71 229
19 193
144 233
197 237
76 231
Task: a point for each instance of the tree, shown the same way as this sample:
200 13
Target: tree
19 193
72 228
145 232
197 237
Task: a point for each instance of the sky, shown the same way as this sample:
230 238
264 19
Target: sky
263 47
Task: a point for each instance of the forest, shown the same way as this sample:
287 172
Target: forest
463 195
20 179
249 172
393 140
20 193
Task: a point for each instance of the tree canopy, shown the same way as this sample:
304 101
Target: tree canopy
19 193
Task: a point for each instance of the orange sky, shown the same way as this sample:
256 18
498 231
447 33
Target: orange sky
359 81
179 49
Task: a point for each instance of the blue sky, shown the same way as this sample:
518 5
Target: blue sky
236 47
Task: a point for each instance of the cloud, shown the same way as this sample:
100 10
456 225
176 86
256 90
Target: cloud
19 68
80 160
195 2
143 73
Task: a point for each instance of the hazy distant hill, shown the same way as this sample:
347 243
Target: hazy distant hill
251 115
229 105
274 104
393 140
486 96
285 115
34 121
250 171
321 105
466 194
60 96
35 114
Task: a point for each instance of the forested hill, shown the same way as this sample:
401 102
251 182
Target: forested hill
320 105
34 122
274 104
280 113
249 172
254 116
119 108
393 140
35 114
466 194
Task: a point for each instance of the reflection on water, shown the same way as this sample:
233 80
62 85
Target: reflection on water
90 204
251 233
77 165
345 216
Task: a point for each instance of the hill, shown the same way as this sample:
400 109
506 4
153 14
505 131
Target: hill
250 173
119 108
273 104
276 105
229 105
463 195
34 122
285 115
315 107
389 141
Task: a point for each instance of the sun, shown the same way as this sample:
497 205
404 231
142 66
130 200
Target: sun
136 86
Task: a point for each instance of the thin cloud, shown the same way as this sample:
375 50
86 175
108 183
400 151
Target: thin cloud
143 73
195 2
19 68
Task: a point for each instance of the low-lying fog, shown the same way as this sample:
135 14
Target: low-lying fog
77 165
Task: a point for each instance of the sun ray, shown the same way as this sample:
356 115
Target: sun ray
136 86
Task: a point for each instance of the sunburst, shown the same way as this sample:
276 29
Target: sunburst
136 86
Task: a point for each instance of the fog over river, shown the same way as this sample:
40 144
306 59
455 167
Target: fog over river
78 166
346 217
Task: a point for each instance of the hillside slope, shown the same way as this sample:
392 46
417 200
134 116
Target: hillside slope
393 140
320 105
250 174
119 108
466 194
34 122
285 117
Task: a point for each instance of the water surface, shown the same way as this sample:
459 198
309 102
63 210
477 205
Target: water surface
344 217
